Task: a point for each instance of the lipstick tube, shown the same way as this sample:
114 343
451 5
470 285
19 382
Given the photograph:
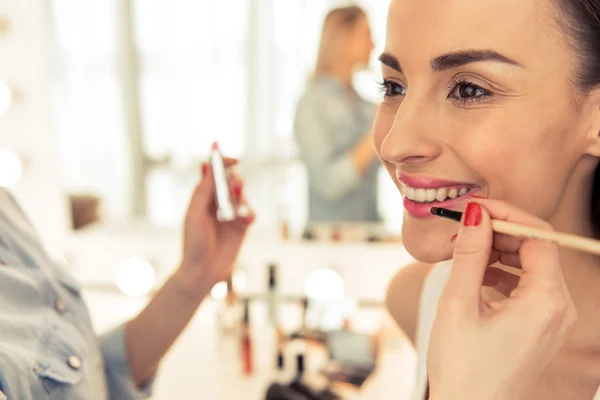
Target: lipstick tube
225 207
246 342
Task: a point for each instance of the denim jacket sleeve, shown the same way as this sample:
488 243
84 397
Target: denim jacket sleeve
118 374
48 347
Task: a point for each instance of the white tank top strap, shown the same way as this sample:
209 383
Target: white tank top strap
430 294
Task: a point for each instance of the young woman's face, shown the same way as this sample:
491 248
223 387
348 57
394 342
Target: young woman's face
479 98
360 43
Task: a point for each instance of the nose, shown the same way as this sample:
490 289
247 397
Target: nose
413 138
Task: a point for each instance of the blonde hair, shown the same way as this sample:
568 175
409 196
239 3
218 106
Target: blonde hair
339 22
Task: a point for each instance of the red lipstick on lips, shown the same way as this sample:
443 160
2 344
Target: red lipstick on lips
422 210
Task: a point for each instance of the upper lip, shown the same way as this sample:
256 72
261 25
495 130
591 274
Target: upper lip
426 182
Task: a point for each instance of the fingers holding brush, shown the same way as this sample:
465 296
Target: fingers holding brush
502 281
505 258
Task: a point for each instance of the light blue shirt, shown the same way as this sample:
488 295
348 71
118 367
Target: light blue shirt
48 349
329 123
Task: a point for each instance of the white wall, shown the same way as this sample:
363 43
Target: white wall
244 96
27 126
90 110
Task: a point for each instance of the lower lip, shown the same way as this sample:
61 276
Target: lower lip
420 210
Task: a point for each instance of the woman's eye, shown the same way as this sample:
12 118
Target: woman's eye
468 91
392 89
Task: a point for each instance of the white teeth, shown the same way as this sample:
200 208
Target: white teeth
431 194
441 194
420 195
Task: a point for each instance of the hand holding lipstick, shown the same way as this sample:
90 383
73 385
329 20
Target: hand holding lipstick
210 246
498 350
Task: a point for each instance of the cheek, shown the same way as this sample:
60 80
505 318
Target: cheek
518 157
542 168
484 147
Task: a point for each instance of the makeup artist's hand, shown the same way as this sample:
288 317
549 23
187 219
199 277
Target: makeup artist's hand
210 247
494 350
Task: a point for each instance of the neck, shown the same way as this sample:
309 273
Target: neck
573 212
343 73
581 271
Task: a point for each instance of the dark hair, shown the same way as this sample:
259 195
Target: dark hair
581 18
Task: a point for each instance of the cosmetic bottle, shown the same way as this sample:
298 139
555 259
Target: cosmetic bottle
284 230
298 384
272 296
280 389
305 305
336 233
246 341
230 312
280 372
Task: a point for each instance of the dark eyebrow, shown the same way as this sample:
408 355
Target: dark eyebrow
452 60
460 58
390 61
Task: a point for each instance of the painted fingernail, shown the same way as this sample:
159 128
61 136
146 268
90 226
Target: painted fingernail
204 169
453 239
237 191
472 215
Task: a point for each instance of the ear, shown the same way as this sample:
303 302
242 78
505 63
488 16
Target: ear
593 130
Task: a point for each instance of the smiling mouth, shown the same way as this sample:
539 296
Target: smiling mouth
433 195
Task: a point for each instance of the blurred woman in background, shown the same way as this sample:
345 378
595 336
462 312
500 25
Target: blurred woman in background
333 124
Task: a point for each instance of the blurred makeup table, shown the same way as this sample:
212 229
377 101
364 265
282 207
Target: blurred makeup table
205 363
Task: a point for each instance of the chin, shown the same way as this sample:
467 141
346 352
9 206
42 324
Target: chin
427 241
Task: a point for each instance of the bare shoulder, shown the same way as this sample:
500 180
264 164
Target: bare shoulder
403 296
